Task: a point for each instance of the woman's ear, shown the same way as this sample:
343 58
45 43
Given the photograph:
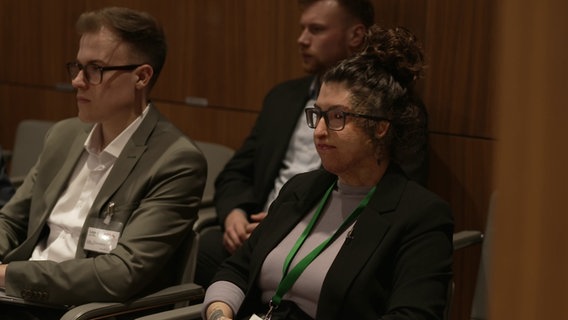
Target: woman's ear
382 129
144 74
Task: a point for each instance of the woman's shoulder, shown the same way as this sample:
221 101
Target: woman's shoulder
308 183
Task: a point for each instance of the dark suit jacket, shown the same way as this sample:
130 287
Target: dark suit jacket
248 178
156 183
396 266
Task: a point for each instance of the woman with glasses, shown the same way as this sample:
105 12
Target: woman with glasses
355 239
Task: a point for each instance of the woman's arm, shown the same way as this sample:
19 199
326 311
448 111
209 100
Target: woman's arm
219 311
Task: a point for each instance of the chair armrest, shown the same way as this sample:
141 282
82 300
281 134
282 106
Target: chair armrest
207 217
17 181
168 296
206 201
186 313
466 238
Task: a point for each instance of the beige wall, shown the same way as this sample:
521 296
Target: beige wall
530 261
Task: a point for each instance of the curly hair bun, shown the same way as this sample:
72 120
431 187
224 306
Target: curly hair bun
397 50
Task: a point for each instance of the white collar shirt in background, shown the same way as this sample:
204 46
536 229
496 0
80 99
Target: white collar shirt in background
301 155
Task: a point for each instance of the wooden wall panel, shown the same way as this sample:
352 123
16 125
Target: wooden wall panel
460 172
18 103
224 126
529 251
410 14
458 84
37 39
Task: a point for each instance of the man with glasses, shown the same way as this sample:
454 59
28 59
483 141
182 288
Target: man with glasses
104 213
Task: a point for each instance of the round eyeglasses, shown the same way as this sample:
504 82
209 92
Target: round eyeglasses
93 73
334 118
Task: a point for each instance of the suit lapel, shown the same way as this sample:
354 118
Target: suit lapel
370 228
59 182
289 214
122 168
128 158
70 154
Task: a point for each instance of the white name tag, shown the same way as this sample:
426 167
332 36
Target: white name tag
255 317
101 240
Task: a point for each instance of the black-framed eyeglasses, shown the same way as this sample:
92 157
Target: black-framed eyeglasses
334 118
93 73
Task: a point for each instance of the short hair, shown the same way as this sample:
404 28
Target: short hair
138 29
362 10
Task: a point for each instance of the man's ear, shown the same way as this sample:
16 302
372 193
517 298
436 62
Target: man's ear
144 73
356 36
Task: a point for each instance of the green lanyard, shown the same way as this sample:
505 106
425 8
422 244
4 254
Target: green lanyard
289 278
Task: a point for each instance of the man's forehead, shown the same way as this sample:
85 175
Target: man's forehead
323 12
101 45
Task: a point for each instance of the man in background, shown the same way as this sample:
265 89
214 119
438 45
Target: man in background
280 144
105 212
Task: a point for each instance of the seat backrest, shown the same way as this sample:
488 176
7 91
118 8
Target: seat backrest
28 143
217 156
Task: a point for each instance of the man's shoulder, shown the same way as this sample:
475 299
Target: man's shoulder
294 85
306 181
65 126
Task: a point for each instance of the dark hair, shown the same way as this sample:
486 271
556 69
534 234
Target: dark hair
139 29
380 79
361 10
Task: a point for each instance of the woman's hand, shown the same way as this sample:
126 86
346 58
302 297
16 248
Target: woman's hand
219 311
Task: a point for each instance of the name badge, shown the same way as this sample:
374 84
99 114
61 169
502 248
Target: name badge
100 240
102 235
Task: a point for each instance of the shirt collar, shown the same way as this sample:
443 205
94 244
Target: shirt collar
315 88
94 140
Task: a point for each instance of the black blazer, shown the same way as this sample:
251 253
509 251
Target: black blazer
396 266
249 176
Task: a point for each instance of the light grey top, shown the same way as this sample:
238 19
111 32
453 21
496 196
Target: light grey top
306 290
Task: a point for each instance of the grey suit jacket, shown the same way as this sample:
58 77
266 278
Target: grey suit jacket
156 185
397 264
